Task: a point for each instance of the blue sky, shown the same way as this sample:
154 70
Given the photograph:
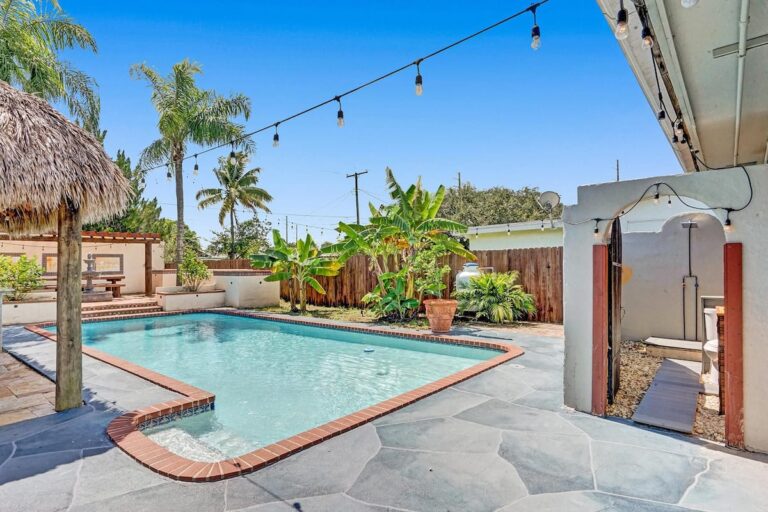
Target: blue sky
493 109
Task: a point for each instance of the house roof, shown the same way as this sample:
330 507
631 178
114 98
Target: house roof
515 226
712 60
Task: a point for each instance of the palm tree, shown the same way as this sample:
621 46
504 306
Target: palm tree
187 114
32 33
238 188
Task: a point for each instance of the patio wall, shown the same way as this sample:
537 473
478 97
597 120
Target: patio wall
724 187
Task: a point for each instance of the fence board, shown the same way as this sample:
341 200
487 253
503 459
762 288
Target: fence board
541 274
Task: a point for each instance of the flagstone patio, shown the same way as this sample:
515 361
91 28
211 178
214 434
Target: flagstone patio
499 441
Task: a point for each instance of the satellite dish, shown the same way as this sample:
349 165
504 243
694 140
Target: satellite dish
548 200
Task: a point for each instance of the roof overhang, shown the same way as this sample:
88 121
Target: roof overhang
712 63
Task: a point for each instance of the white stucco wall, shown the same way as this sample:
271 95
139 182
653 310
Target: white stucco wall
725 187
133 257
516 239
654 265
247 289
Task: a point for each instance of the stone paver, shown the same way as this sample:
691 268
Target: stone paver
500 441
24 393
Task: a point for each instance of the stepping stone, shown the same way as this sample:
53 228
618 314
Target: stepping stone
670 401
678 349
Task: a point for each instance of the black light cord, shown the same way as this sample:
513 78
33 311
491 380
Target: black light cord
532 8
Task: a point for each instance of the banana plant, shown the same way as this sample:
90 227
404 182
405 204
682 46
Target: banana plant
298 264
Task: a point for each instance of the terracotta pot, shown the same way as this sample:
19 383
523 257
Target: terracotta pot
440 314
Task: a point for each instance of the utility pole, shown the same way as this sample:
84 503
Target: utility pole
357 198
617 170
297 232
286 228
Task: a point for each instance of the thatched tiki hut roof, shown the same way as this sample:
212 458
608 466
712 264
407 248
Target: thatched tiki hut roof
54 175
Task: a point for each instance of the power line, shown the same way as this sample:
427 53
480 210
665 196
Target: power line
336 98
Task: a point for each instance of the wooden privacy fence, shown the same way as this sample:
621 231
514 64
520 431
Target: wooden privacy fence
541 274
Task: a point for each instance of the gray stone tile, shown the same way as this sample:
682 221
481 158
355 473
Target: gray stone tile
168 497
644 473
544 361
447 402
22 429
621 431
331 503
536 378
496 384
586 502
732 483
124 475
328 468
87 431
41 482
549 462
441 434
496 413
546 400
438 481
5 451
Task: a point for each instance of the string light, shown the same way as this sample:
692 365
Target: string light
197 168
622 27
168 174
339 115
727 223
417 62
542 224
596 231
232 156
535 32
656 195
646 35
669 201
508 230
419 79
679 131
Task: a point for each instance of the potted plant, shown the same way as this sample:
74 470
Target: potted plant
430 282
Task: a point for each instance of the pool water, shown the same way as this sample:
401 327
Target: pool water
272 380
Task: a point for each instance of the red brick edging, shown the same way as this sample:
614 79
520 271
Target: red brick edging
124 430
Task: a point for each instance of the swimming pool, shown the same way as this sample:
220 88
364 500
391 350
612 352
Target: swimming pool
272 380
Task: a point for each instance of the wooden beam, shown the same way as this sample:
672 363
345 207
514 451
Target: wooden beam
148 269
599 329
733 350
69 358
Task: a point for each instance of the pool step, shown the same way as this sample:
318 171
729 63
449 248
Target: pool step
126 310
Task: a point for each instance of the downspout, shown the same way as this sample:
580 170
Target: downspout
743 21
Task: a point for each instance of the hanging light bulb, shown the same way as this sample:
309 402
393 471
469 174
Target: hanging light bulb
688 3
419 79
675 140
596 231
276 138
535 32
508 230
168 172
656 196
622 27
661 115
727 223
232 155
679 131
647 38
339 115
542 224
197 167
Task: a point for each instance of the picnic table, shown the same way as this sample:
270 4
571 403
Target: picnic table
112 283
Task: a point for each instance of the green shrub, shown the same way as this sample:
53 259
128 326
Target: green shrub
496 297
192 272
22 275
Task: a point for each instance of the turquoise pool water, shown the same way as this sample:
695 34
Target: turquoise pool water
272 380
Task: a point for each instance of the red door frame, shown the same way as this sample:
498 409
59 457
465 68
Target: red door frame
733 345
599 329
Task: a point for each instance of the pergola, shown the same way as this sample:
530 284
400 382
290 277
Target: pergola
54 175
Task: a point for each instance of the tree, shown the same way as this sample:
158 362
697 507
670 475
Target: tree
141 215
497 205
168 232
251 237
32 33
238 188
300 264
187 114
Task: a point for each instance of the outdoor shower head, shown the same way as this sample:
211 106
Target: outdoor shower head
690 224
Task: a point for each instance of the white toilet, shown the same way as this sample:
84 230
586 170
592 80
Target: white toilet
712 344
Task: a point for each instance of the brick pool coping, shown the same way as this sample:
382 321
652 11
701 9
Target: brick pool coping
124 430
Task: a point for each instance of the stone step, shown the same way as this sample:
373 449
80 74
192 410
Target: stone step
128 316
129 310
674 349
118 305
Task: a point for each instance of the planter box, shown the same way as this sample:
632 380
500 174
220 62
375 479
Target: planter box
174 300
29 312
247 288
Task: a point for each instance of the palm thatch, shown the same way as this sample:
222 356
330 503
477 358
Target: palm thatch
47 161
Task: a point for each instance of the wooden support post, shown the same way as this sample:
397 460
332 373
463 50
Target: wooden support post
599 329
69 358
733 350
148 269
